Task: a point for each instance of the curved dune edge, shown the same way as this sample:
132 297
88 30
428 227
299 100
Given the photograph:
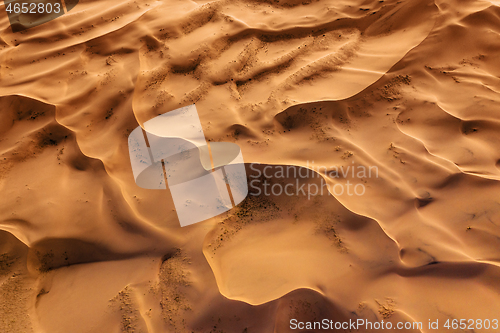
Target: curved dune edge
228 281
292 250
336 53
101 254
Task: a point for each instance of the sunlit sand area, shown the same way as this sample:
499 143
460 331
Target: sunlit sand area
368 133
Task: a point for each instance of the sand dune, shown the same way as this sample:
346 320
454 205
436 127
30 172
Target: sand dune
407 88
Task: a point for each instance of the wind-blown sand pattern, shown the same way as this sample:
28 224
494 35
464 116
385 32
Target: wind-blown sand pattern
410 87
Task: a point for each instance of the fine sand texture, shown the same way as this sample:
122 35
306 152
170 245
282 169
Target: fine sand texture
406 91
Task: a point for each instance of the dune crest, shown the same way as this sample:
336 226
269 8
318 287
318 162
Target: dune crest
393 102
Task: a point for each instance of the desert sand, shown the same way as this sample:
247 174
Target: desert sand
411 88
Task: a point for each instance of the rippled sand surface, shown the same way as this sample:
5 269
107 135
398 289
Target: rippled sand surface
410 88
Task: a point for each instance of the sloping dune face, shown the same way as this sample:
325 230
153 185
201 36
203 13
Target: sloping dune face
370 135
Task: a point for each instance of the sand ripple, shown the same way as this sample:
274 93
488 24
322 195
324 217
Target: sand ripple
409 87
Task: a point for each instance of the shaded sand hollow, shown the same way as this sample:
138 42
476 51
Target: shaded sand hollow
409 88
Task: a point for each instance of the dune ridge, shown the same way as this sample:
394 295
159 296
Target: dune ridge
409 87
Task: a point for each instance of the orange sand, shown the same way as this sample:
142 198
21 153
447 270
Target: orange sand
411 87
